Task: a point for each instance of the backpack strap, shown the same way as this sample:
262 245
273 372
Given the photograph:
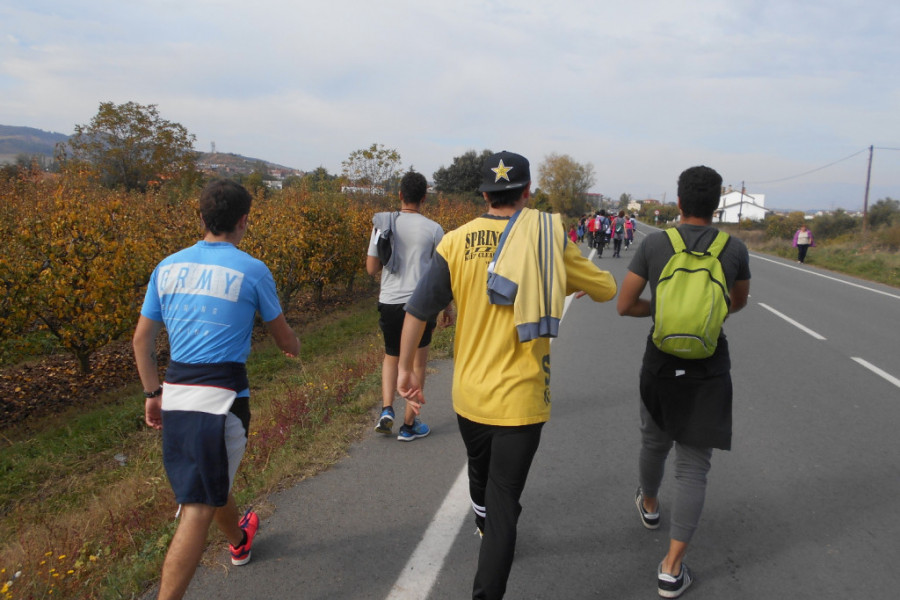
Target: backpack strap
676 240
715 248
718 244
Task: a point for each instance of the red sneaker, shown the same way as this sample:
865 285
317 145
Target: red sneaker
249 523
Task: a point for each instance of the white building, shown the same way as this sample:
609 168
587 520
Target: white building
736 206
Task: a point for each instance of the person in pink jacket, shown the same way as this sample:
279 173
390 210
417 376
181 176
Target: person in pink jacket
803 239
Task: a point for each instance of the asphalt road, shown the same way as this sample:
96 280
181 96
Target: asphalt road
802 507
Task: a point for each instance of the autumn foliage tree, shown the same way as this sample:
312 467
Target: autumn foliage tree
566 183
130 145
18 269
81 260
308 240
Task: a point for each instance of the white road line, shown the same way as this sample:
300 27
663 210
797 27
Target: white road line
793 322
884 374
421 571
862 287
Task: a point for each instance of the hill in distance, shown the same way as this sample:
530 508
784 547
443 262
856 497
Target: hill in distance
16 141
28 141
227 163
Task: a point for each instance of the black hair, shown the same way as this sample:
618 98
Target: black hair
503 198
222 204
413 186
699 191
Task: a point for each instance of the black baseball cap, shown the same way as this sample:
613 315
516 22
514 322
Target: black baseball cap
504 171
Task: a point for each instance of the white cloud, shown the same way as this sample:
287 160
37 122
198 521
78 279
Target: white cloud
758 90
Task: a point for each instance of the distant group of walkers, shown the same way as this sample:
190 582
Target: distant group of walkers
602 229
506 299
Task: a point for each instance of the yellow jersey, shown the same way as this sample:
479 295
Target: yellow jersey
497 380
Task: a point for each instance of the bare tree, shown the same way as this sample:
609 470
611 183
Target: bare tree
374 167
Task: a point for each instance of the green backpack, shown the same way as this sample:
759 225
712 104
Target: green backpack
691 299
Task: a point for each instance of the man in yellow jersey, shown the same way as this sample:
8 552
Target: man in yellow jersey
501 380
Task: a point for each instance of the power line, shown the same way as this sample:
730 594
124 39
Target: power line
818 169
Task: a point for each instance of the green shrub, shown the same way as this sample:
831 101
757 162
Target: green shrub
834 225
783 227
888 238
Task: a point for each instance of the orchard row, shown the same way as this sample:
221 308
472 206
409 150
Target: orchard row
76 256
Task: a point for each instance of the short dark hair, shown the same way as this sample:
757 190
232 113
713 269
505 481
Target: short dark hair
222 204
413 186
503 198
699 191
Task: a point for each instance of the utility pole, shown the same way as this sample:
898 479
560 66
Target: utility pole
741 206
866 198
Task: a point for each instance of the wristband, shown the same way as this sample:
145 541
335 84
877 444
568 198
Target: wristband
155 394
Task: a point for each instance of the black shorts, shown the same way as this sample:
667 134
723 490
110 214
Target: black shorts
391 323
695 411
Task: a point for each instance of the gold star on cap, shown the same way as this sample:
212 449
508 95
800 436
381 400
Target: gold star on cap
502 171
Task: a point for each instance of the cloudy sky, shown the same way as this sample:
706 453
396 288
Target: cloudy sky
784 95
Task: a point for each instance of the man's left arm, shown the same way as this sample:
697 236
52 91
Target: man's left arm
740 289
739 294
584 277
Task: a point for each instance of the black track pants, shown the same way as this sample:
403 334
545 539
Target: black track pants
499 461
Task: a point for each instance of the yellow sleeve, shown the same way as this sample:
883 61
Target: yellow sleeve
583 275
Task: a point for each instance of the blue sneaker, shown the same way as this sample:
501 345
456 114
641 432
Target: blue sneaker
385 423
410 432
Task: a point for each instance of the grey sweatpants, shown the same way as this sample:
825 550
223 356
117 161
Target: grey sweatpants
691 466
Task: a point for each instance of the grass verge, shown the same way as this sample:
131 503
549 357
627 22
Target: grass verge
85 507
849 255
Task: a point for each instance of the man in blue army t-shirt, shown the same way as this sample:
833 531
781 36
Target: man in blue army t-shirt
207 297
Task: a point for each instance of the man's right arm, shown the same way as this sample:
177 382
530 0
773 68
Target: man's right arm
144 344
373 265
408 385
630 303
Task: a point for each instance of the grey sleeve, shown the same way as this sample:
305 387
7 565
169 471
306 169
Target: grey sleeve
433 292
736 262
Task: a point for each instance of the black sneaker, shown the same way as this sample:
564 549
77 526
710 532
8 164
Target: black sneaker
671 586
649 519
